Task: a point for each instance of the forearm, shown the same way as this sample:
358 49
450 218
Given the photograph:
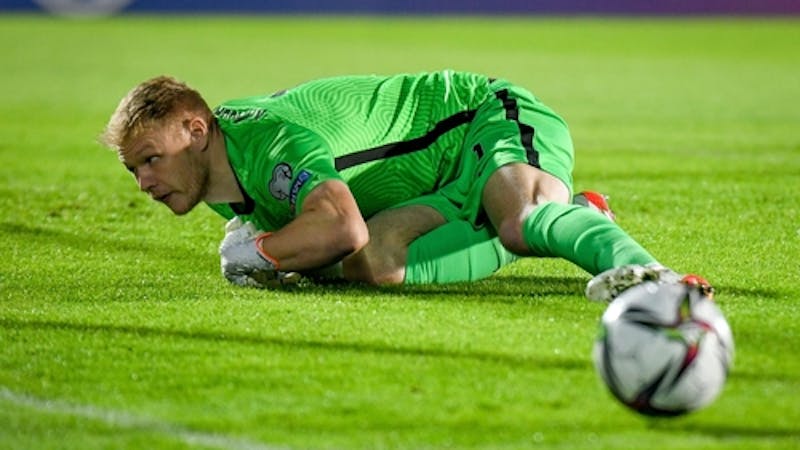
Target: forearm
328 228
311 242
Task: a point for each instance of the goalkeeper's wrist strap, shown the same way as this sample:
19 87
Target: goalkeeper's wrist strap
260 249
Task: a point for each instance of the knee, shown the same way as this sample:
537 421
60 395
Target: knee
512 194
513 230
510 232
380 274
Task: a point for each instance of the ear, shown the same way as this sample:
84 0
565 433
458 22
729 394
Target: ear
198 131
197 127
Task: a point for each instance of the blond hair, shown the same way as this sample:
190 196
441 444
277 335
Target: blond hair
150 103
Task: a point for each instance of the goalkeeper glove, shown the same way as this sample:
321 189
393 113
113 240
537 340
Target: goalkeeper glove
244 263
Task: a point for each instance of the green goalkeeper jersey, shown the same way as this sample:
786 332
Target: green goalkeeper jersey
390 138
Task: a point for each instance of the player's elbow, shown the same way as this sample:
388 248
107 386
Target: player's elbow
332 204
354 236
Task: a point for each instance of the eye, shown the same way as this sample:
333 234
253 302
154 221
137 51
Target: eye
152 159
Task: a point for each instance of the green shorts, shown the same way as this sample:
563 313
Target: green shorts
512 126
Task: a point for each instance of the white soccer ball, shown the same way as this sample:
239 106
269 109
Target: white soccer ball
664 349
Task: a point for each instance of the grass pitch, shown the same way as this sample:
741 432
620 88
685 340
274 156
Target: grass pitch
117 330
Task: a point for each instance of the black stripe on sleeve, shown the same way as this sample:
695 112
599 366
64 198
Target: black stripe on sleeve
405 147
526 132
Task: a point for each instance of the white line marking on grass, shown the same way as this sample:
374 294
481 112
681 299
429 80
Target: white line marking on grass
125 420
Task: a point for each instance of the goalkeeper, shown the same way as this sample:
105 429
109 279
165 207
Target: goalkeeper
408 178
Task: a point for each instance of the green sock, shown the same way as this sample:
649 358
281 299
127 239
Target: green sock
582 236
455 252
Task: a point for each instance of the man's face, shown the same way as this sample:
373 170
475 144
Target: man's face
169 163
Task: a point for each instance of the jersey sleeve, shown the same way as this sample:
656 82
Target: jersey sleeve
297 162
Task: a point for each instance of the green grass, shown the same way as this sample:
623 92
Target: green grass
117 330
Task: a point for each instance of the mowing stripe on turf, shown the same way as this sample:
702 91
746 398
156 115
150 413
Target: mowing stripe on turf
122 419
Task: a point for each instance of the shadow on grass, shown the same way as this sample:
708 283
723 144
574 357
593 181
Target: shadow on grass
727 431
510 288
535 286
758 375
306 344
772 294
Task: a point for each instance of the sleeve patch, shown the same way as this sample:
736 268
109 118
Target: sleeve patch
299 182
279 184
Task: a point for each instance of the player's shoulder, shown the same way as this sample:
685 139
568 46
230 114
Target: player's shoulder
241 110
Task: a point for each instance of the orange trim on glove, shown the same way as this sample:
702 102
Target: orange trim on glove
260 249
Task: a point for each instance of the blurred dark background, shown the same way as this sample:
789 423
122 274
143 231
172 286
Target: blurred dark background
498 7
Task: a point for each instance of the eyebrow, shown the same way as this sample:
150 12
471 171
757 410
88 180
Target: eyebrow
135 155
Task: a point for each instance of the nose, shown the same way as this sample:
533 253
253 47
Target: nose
145 179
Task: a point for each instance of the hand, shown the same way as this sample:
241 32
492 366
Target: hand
242 261
237 231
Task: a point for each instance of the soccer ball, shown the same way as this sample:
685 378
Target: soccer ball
664 349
